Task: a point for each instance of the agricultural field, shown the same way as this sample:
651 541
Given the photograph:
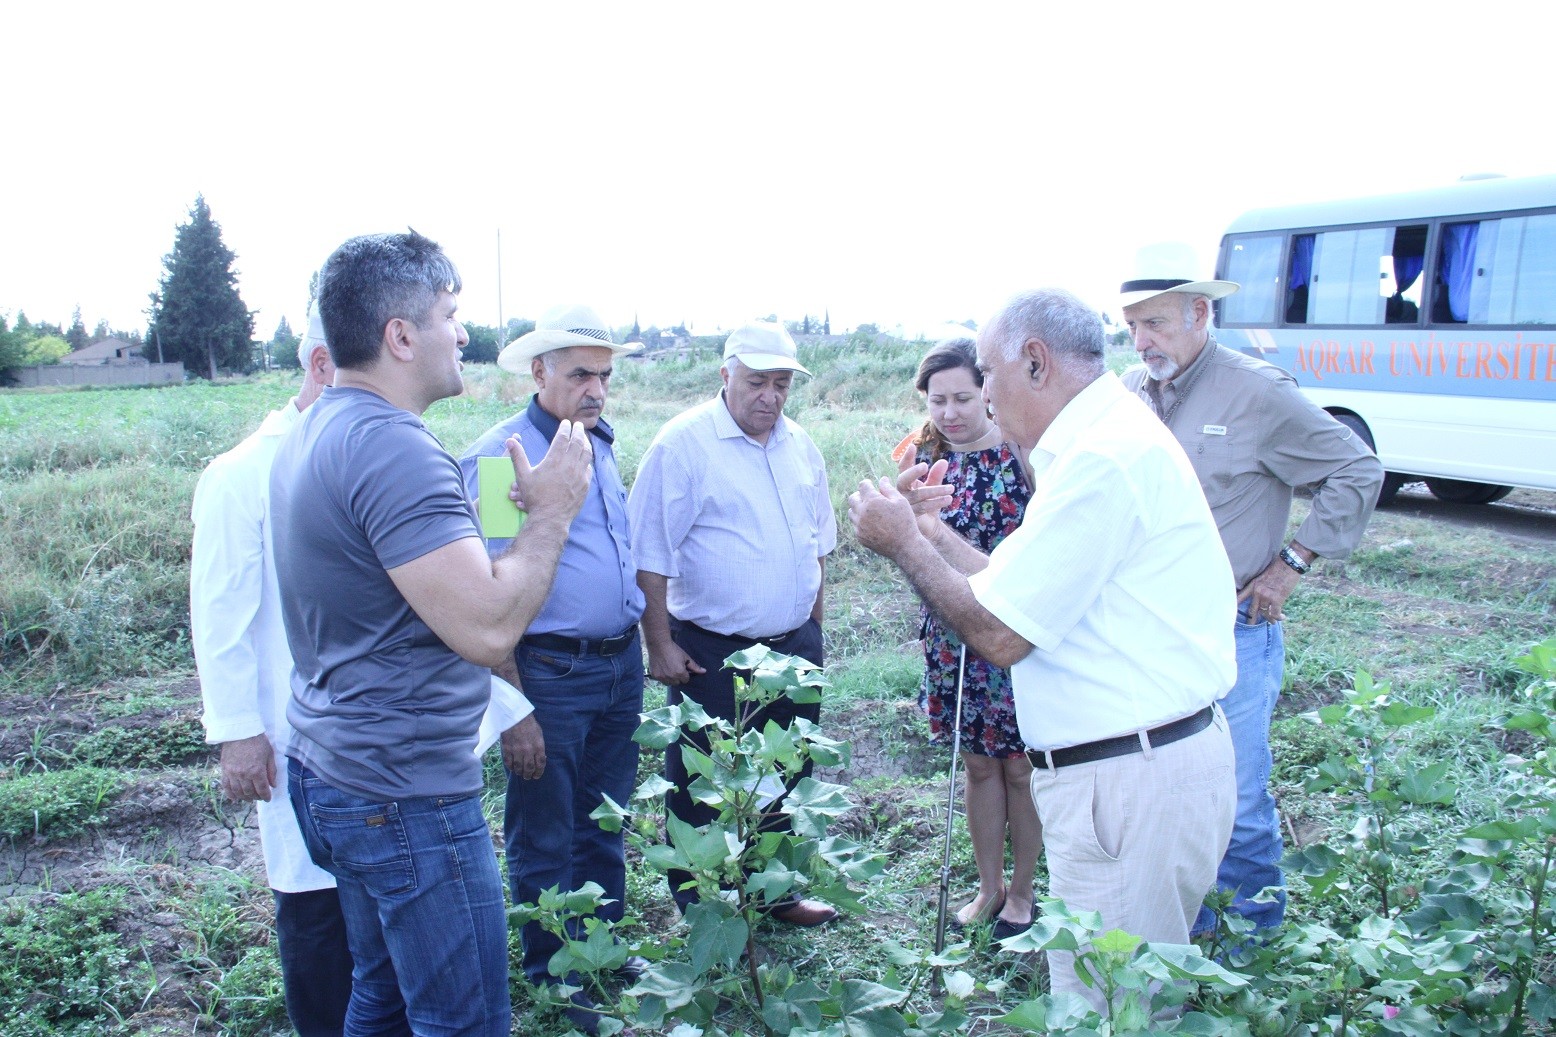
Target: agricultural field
131 895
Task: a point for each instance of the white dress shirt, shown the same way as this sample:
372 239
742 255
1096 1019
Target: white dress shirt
239 643
738 527
1117 576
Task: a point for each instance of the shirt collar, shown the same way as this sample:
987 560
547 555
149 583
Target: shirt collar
1079 414
547 425
279 422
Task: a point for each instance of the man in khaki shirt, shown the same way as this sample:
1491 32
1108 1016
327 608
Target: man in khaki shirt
1251 436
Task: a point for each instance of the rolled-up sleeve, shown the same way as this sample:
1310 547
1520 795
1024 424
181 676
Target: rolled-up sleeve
1307 447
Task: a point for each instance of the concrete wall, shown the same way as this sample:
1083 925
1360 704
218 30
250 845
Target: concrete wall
100 374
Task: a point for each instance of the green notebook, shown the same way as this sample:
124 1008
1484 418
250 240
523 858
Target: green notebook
499 518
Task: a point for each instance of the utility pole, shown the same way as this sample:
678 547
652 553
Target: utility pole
502 327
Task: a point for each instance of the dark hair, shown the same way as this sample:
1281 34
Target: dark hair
948 356
373 279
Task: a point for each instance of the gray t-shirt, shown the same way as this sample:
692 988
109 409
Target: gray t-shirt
381 707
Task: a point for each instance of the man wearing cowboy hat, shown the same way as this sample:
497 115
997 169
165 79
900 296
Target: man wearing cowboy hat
580 663
733 523
1252 437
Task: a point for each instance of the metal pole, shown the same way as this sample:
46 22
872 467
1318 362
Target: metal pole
950 814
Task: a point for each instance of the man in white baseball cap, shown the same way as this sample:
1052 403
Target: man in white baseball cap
732 523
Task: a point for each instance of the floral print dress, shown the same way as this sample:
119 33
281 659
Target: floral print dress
989 498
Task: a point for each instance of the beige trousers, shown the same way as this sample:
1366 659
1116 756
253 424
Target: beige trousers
1137 838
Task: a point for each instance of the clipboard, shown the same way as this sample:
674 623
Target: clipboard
499 518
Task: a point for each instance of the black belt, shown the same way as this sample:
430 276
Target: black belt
575 646
1123 745
775 639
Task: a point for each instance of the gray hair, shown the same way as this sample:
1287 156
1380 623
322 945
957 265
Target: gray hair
1188 311
1072 330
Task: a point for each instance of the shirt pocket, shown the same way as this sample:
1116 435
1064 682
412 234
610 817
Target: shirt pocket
1221 456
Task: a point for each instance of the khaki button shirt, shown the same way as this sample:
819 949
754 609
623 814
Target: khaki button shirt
1252 437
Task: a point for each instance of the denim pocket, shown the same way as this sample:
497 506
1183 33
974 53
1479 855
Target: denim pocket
369 842
535 665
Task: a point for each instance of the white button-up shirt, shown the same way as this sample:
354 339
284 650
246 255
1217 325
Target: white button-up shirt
738 527
239 642
1117 576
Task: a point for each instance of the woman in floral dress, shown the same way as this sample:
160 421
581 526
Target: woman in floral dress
990 493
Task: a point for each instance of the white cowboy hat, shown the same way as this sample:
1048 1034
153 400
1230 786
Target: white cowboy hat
1156 267
763 346
561 327
1132 292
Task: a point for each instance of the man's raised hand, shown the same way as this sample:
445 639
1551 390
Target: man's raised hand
558 485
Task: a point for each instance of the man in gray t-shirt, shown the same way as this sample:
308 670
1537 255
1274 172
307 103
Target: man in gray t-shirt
394 614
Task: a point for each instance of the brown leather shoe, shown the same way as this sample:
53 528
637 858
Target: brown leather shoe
806 913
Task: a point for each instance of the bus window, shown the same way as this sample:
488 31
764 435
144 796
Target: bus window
1254 262
1519 254
1401 276
1456 272
1301 278
1345 276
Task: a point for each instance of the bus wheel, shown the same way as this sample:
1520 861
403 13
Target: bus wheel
1456 491
1392 481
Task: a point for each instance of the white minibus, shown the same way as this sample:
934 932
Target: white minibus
1426 321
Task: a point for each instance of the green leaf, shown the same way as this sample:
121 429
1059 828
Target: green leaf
812 803
660 728
717 937
1429 784
861 995
652 788
960 984
609 815
1397 714
675 982
1116 941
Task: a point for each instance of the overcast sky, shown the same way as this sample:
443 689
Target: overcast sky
895 163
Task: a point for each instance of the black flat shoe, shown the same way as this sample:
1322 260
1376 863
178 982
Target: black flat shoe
1004 930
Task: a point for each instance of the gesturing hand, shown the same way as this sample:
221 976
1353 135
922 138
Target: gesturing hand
925 488
560 482
883 519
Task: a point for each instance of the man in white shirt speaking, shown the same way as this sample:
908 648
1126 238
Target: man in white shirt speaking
245 679
1111 605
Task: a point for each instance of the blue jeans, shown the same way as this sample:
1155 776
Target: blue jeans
315 961
588 707
419 888
1252 859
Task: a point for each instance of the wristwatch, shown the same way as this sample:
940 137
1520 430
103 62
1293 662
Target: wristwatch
1294 560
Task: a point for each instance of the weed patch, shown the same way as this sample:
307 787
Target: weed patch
56 804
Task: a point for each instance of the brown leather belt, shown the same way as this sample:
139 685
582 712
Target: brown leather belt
1123 745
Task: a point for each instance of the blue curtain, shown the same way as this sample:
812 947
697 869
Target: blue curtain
1459 266
1301 260
1406 270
